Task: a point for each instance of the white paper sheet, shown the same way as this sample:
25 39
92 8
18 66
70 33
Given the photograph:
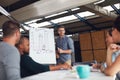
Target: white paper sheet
42 45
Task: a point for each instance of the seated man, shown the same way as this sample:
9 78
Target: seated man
30 67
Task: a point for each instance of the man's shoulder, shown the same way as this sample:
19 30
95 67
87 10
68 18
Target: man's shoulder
68 38
7 47
57 39
26 57
4 44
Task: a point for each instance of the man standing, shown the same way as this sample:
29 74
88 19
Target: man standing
65 47
9 55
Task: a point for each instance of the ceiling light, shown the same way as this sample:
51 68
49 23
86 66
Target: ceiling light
56 14
85 14
63 19
32 21
74 9
4 12
99 2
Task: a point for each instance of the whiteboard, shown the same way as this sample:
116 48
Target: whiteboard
42 45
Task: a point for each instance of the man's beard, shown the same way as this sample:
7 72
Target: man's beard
26 52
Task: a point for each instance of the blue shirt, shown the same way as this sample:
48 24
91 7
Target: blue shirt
114 56
65 43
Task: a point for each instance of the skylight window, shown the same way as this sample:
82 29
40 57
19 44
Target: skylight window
32 21
21 30
1 35
56 14
69 35
63 19
0 30
26 27
44 24
99 2
117 5
40 24
109 8
85 14
33 25
74 9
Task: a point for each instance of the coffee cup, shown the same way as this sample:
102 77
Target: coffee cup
83 71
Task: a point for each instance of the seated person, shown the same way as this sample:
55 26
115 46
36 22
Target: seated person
109 41
29 66
114 67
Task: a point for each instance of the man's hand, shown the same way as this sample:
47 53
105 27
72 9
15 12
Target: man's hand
96 66
57 55
65 66
60 50
59 66
113 48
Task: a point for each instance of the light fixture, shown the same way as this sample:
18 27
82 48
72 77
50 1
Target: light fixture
85 14
98 2
74 9
3 11
63 19
56 14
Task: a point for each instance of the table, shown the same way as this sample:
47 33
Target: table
67 75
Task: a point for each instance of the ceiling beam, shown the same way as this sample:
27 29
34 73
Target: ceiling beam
100 11
62 15
86 21
108 2
92 21
89 30
117 10
80 28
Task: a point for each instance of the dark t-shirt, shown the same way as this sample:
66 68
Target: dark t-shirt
30 67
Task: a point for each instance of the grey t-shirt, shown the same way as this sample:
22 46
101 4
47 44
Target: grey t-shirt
9 62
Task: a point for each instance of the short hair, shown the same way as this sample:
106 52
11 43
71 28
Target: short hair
110 32
9 28
60 27
117 23
21 41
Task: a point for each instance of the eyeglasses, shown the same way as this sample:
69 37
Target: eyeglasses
61 30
